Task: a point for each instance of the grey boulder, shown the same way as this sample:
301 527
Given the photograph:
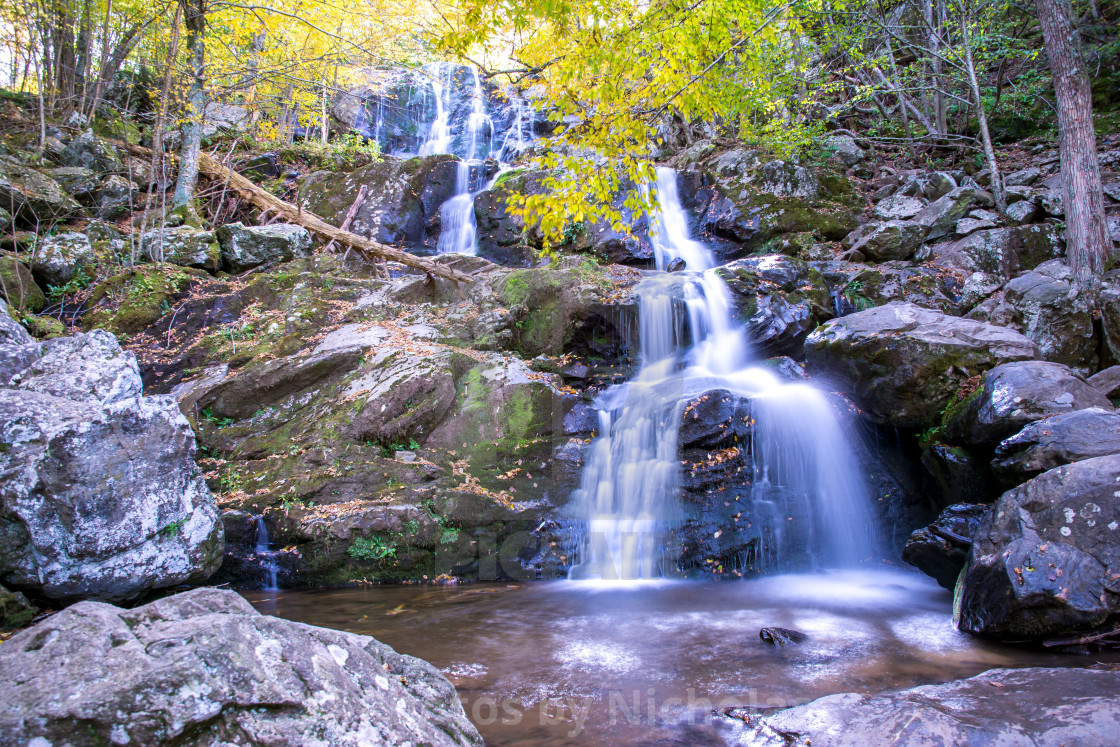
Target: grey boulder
940 550
185 246
940 217
204 668
246 247
61 257
100 497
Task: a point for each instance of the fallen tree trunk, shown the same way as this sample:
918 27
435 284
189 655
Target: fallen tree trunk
271 203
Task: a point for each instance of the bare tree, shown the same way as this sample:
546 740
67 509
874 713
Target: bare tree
194 17
1087 240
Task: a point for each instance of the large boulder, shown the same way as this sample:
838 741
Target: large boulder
34 198
115 198
18 284
880 242
185 246
1040 707
245 247
903 364
1014 394
203 667
1043 305
1045 560
401 203
779 299
1057 440
940 550
62 257
100 496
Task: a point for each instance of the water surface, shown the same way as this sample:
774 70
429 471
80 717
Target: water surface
567 663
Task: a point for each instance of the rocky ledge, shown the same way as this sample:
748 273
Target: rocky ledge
205 668
1039 707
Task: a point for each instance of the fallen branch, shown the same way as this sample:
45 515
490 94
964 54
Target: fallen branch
269 202
353 211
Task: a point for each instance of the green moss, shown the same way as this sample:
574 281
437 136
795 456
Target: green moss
129 302
22 291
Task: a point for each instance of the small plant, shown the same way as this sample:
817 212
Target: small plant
371 549
209 416
174 528
79 282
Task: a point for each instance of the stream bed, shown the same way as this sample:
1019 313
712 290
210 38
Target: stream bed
578 663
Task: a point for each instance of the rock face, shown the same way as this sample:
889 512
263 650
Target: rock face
402 199
1044 560
246 247
205 668
904 363
1038 707
1014 394
1061 439
100 496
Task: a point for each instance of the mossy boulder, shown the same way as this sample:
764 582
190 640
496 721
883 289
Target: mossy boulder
35 198
185 246
904 364
128 302
19 286
62 257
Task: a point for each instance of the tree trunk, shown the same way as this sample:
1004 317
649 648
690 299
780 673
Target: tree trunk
194 16
1087 242
981 115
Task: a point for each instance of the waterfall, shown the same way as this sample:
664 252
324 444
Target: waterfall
266 555
628 505
439 133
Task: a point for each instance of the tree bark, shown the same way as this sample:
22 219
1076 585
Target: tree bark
194 16
981 115
1087 241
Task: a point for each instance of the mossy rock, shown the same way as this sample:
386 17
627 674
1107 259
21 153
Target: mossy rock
45 327
20 289
129 302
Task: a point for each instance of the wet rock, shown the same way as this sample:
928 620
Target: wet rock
781 636
402 200
676 265
903 364
1057 440
103 499
61 257
881 242
940 550
204 663
1014 394
779 299
1043 306
714 420
898 207
1042 707
184 246
961 475
245 247
940 217
33 198
1043 560
858 287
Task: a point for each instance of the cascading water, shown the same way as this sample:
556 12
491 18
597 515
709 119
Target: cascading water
458 227
628 502
266 555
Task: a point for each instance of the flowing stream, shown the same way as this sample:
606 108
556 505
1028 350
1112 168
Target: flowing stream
627 507
562 663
